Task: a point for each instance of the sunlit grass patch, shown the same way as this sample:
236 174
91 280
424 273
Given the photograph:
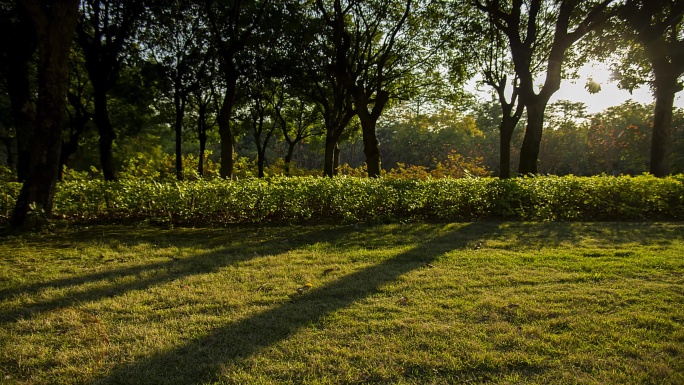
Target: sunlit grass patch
421 303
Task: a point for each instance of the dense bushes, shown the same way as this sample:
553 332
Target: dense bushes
356 199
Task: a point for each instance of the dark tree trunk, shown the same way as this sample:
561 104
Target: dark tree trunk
529 153
505 136
665 91
261 153
179 104
20 49
261 160
333 132
55 28
369 120
261 145
288 156
105 131
227 141
223 120
370 146
202 151
509 120
261 149
336 159
331 156
23 114
202 136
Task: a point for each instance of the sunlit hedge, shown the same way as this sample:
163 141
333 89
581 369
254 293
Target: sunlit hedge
356 199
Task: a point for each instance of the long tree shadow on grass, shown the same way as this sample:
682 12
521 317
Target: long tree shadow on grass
142 276
200 360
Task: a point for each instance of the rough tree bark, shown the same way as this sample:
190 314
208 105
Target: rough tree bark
369 120
55 26
19 46
223 120
657 26
665 88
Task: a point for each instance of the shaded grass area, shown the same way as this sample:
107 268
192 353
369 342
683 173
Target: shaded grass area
483 302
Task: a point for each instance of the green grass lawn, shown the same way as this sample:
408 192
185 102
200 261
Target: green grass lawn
494 303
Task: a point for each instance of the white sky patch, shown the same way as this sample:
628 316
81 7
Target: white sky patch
574 90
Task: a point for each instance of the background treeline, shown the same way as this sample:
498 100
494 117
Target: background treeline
444 144
189 89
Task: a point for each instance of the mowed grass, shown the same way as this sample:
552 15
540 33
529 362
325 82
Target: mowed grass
487 302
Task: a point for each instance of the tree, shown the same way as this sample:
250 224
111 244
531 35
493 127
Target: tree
298 121
179 44
656 27
529 25
488 116
203 98
79 110
322 57
233 26
496 67
266 95
54 26
18 46
377 45
104 28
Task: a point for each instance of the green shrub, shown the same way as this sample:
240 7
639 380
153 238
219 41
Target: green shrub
351 199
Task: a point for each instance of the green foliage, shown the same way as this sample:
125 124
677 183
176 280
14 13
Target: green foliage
7 174
9 191
354 199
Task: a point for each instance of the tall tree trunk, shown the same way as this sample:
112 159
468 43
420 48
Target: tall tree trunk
179 105
105 130
224 116
227 139
336 159
666 86
370 145
329 155
529 152
509 120
55 27
368 124
202 151
662 122
288 156
202 136
505 135
24 116
22 104
261 160
333 132
657 29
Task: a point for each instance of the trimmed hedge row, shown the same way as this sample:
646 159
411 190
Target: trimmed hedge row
354 199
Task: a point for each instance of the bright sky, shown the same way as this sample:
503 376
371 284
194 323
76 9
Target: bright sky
609 96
